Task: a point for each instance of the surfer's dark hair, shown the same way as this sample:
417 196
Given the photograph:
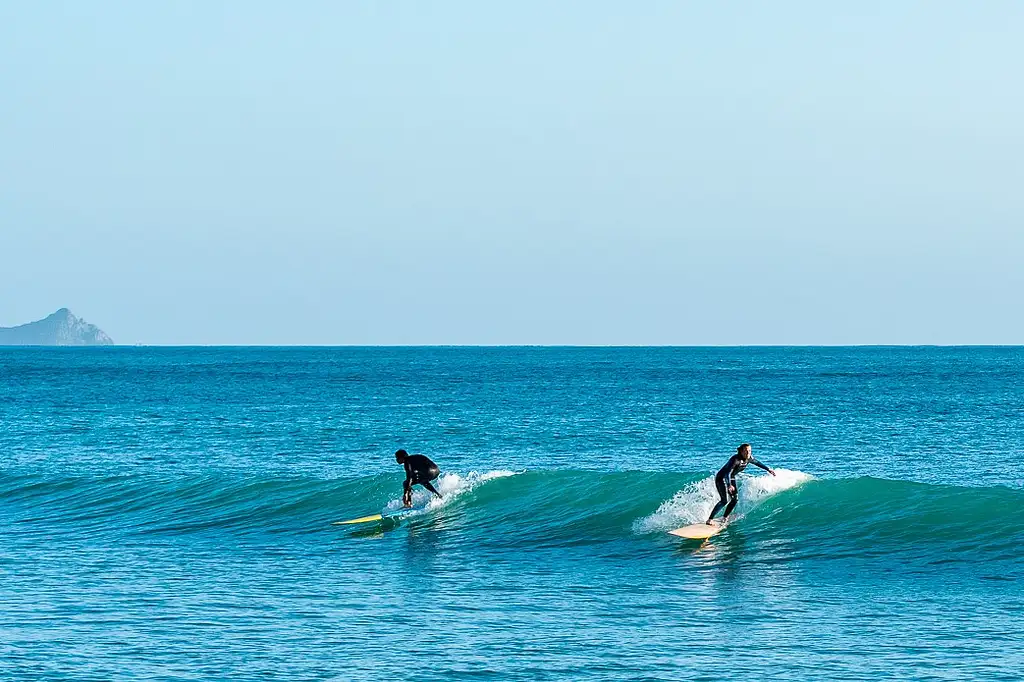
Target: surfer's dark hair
742 447
401 453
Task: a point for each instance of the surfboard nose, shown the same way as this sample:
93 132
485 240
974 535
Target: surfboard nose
362 519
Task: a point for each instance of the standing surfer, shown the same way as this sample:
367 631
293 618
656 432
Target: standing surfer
418 470
725 480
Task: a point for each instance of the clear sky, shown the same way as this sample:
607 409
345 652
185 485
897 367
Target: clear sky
515 173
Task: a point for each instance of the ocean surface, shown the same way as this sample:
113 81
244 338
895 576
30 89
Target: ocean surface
166 514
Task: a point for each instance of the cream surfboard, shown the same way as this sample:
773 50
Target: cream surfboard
697 531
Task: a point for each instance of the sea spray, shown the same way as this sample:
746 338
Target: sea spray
693 504
451 486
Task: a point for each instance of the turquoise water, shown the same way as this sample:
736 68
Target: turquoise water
165 514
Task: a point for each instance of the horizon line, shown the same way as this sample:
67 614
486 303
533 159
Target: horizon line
532 345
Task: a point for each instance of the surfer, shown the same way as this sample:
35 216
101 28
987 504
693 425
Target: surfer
418 470
725 480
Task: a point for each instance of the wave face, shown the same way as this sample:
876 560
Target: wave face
813 518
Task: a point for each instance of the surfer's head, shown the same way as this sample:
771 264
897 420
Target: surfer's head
744 451
400 456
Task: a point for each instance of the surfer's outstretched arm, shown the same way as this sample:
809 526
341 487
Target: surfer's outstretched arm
762 466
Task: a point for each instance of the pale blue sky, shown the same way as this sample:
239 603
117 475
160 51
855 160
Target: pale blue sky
530 172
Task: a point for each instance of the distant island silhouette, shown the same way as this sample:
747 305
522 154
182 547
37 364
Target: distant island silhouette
62 328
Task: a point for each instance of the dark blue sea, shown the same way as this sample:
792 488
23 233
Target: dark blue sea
166 514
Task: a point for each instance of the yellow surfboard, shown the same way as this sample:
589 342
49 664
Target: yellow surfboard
697 531
390 517
362 519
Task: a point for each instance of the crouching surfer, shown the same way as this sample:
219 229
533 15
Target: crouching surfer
725 480
419 470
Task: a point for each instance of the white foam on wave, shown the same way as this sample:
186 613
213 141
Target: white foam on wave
451 486
693 504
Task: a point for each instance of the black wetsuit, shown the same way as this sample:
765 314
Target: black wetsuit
725 480
420 470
